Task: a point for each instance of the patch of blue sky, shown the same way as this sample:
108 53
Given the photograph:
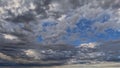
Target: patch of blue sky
101 36
47 24
75 42
109 34
83 26
72 30
112 34
39 39
67 40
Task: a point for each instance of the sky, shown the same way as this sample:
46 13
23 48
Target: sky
27 25
85 24
72 22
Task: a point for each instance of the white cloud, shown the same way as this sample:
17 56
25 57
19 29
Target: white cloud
88 45
32 53
10 37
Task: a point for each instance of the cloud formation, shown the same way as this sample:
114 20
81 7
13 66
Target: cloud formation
58 21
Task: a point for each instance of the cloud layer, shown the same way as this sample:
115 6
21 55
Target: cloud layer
25 24
51 19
